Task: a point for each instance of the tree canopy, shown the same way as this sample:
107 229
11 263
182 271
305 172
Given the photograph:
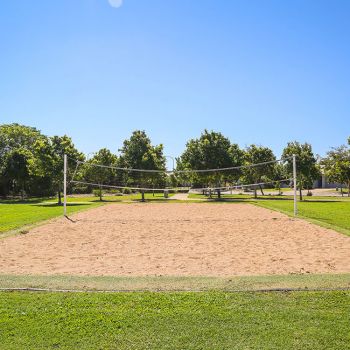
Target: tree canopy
336 165
139 153
307 167
211 150
31 163
262 173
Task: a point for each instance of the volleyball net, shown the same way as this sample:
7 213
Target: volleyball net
272 174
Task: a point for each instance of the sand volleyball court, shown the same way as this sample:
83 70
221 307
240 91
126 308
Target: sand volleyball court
194 239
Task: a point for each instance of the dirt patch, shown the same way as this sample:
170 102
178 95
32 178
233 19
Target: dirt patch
179 239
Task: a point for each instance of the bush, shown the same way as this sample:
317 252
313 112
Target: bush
127 191
96 192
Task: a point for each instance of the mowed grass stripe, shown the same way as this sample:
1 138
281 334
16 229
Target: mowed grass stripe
331 214
176 283
208 320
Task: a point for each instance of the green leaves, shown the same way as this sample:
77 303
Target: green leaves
337 165
138 153
16 154
307 168
211 150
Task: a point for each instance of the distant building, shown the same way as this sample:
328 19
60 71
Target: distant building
323 182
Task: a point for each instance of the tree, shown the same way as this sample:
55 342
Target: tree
16 151
337 165
138 153
307 168
16 169
211 150
48 159
98 174
279 174
261 173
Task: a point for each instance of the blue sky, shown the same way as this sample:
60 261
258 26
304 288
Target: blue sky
263 72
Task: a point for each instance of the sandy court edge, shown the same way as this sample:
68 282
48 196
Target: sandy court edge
177 239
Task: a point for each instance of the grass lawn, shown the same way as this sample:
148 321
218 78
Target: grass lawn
177 283
223 196
175 320
211 319
329 212
15 214
325 212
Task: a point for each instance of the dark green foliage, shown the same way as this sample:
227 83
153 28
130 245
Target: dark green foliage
307 167
337 166
16 153
138 153
262 173
91 171
211 150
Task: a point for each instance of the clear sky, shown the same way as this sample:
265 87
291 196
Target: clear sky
263 72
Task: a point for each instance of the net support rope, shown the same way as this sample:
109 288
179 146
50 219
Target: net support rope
223 188
186 171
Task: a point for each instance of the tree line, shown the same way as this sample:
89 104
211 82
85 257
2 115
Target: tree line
31 164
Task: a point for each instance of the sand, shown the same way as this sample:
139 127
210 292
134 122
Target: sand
178 239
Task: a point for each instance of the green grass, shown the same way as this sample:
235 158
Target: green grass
325 212
16 214
175 320
211 319
328 212
223 196
176 283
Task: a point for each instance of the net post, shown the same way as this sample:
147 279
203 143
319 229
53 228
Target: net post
295 184
65 185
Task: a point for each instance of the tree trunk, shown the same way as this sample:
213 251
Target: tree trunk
255 193
308 191
261 189
22 192
219 194
100 193
59 195
300 194
142 196
349 189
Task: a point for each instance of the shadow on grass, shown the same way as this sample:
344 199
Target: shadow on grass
52 205
227 200
106 201
322 201
25 201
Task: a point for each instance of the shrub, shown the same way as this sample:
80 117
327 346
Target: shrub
97 192
127 191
